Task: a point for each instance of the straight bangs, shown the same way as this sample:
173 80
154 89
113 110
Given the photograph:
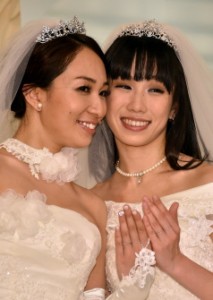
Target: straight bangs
150 57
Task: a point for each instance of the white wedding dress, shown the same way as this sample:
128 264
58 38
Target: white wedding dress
48 252
45 251
195 215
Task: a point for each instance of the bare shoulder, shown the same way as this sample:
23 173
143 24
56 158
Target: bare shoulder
8 169
92 203
206 172
7 160
201 174
198 176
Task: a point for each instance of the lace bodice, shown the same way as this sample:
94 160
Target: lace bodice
195 205
45 251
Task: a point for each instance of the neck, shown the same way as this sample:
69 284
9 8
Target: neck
136 159
32 132
37 141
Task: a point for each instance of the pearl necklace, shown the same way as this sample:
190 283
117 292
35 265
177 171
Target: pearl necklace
139 175
60 167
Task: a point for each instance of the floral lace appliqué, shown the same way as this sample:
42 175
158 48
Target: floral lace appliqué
60 167
199 230
73 252
144 266
13 211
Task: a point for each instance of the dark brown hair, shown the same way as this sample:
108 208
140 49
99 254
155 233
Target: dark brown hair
48 61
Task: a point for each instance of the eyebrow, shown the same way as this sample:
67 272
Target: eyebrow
91 80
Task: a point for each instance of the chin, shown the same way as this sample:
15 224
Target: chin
73 142
81 145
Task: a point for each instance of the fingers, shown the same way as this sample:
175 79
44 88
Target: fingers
142 234
159 216
161 223
118 243
132 230
153 228
124 231
174 211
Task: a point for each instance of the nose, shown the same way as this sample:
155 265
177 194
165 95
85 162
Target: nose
137 102
97 107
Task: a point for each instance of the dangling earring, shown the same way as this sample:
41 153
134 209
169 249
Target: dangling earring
39 106
172 117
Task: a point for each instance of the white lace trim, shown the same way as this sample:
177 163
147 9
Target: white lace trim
144 266
60 167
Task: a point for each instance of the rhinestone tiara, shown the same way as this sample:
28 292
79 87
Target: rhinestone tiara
150 29
63 28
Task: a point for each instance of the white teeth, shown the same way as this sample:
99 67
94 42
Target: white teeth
135 123
89 125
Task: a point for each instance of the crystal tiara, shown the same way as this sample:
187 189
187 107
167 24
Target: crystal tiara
63 28
150 29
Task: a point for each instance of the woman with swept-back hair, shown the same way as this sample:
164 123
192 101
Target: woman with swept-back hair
157 139
53 79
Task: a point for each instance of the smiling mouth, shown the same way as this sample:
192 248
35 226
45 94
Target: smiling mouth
87 124
135 123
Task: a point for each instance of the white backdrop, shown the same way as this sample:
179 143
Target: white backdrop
194 17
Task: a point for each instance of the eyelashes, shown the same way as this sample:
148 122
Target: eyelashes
123 86
105 93
84 89
87 90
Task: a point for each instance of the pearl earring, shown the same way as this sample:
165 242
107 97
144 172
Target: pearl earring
172 117
39 106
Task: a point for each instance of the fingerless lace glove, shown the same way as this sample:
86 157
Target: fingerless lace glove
134 286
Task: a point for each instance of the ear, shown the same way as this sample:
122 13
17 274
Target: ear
173 112
32 97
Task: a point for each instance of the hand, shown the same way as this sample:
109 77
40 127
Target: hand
164 232
130 237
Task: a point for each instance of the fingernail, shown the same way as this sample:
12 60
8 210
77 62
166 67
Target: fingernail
121 213
135 212
126 207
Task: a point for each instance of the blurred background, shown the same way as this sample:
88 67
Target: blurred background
193 17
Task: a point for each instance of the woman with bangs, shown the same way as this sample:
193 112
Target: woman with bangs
157 139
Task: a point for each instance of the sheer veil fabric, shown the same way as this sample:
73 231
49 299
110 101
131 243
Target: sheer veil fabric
11 73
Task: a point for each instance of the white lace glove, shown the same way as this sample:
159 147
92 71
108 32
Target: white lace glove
136 285
144 266
94 294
